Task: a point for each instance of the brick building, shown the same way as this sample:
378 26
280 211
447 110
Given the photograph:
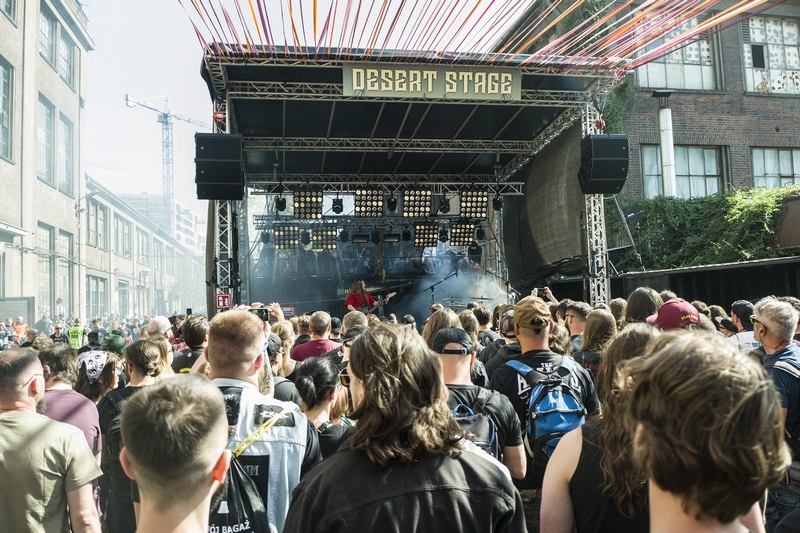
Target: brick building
735 109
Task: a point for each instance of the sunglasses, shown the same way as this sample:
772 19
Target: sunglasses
344 378
754 320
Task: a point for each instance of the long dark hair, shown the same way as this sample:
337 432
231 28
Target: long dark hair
403 414
623 482
357 288
316 379
642 303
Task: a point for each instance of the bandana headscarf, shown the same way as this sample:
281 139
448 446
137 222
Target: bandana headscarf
94 361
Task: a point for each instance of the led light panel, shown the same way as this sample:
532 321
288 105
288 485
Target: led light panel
474 204
286 236
416 203
425 235
461 233
368 203
308 205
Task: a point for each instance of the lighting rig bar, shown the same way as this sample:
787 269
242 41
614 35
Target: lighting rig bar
299 144
450 185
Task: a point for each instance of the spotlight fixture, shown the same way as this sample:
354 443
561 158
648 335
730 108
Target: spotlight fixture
480 234
497 203
360 238
391 203
305 237
286 236
308 205
338 206
265 237
368 203
425 235
406 235
280 204
416 203
444 205
391 237
344 235
443 235
474 204
461 233
375 237
324 237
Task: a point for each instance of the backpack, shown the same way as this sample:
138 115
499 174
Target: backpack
554 409
792 439
480 427
113 442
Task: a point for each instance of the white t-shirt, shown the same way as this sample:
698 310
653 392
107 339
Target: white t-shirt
745 341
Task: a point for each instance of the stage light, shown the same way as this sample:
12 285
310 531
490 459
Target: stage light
338 206
308 205
497 203
305 237
425 235
416 203
286 236
406 235
324 237
391 203
480 234
344 235
474 204
391 237
265 237
280 204
360 238
443 235
461 233
375 237
368 203
444 205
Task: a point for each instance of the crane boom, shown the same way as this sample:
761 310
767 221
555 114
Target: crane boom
165 118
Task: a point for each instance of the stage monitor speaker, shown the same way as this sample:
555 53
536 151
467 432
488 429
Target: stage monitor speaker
219 172
604 163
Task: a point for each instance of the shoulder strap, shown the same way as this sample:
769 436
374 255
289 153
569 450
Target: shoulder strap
256 434
786 367
116 400
521 368
483 397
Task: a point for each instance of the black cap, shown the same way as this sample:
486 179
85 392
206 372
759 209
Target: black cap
336 325
274 344
452 335
507 325
353 333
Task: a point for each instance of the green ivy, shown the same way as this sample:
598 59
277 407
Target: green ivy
738 226
619 105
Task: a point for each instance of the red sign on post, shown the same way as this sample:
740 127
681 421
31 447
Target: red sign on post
223 301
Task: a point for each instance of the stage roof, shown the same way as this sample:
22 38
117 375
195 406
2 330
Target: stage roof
300 115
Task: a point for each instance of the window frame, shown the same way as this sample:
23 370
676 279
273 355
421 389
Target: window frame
765 86
64 271
45 254
68 77
794 162
6 109
719 177
48 150
66 156
10 11
51 55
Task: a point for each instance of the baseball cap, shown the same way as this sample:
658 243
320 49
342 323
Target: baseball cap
674 314
455 335
408 319
336 325
529 312
506 326
353 333
274 344
743 309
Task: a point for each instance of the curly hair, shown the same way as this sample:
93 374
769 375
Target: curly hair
443 318
403 414
622 481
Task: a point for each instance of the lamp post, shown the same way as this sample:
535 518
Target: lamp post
666 144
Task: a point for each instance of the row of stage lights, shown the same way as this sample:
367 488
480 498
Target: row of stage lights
325 236
371 203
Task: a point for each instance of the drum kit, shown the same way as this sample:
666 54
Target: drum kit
456 305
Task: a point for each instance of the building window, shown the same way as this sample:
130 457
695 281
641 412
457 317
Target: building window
772 55
64 284
8 7
96 296
122 236
65 157
46 134
6 93
697 171
158 256
47 35
774 168
691 67
142 248
97 225
66 63
44 249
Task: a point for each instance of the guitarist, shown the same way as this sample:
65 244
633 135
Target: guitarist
358 299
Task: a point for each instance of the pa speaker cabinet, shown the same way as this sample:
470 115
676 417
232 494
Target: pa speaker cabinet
219 172
604 163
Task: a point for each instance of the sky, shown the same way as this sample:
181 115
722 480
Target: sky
149 50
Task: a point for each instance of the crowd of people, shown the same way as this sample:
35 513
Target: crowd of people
650 413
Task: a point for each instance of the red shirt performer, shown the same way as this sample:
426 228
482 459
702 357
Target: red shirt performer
358 299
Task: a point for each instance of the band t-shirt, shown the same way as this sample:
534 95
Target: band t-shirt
358 301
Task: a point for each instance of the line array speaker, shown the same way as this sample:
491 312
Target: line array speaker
604 163
219 172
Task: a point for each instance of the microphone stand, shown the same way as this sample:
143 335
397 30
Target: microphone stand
510 296
431 288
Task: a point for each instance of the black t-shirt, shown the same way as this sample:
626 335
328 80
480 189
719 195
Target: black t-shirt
498 408
285 391
488 352
590 360
506 352
107 412
185 359
509 382
302 339
487 337
332 436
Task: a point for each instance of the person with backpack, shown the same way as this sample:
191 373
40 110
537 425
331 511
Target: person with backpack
487 415
142 367
774 323
541 382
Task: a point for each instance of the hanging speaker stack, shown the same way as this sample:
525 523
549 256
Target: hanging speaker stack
604 163
219 173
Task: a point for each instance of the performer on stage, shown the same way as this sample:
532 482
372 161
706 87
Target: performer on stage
358 299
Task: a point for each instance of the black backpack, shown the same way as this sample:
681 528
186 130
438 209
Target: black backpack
792 439
480 427
113 442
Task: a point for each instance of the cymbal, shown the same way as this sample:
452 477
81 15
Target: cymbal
456 305
480 298
450 299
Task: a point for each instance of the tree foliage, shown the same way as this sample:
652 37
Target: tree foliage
741 225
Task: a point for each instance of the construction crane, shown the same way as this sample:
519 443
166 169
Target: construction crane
166 117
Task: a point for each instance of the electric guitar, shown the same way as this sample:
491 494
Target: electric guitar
367 310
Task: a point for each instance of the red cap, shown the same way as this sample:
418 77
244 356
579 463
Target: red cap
674 314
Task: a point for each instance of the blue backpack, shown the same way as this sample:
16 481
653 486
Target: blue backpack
480 427
554 409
